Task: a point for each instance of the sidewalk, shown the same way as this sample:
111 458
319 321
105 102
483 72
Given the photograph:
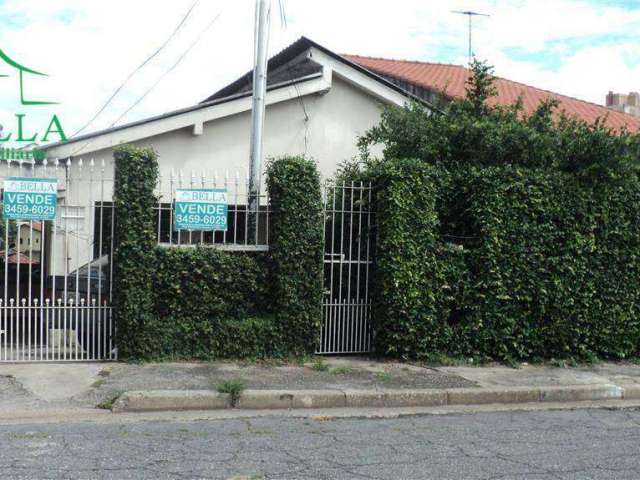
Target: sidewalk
325 383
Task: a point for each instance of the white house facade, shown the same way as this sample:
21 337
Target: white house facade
318 104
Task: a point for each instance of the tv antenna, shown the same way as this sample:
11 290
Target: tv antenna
470 15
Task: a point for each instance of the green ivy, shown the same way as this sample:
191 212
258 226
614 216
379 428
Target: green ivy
213 304
511 236
296 250
416 273
555 268
136 173
203 303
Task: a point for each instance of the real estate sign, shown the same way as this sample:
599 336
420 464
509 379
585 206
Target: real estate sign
203 209
27 198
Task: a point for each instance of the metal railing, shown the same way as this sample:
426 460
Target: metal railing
346 326
56 274
239 234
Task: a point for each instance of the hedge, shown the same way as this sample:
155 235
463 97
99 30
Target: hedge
506 262
296 249
136 172
414 283
203 303
212 304
556 269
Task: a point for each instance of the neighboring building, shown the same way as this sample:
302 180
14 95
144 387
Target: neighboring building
29 240
624 103
437 81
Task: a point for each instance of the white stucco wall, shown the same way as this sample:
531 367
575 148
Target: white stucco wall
336 119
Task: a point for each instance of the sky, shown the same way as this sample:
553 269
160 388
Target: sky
87 48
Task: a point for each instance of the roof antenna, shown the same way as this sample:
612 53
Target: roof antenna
470 14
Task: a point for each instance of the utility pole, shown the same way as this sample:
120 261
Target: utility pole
261 50
470 14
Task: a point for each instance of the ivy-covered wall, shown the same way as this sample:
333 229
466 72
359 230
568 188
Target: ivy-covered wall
506 262
136 172
203 303
296 248
415 272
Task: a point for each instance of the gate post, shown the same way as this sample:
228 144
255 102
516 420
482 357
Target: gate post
136 176
296 250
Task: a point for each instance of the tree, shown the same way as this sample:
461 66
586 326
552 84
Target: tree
472 132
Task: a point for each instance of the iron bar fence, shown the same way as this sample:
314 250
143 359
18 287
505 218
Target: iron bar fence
239 234
56 292
348 240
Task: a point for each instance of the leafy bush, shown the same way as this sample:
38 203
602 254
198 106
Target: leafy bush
296 250
554 270
511 236
184 303
415 285
211 304
136 171
472 133
529 264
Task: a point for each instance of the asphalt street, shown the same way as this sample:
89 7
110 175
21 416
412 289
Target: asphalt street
580 444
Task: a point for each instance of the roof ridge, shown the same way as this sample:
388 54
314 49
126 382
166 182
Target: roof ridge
420 62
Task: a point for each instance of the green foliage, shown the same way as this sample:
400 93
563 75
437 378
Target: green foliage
543 265
472 133
136 172
511 236
296 250
212 304
555 266
319 365
415 286
108 403
232 387
202 303
341 370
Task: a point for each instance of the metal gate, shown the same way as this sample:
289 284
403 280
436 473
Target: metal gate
348 254
55 277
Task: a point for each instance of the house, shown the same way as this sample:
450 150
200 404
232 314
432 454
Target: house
318 104
624 103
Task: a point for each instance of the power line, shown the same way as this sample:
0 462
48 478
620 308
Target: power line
167 72
138 68
143 96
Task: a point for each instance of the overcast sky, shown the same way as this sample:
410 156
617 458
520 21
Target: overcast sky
581 48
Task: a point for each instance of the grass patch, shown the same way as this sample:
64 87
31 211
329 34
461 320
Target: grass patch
98 383
29 436
108 403
341 371
319 365
232 387
383 376
105 372
441 360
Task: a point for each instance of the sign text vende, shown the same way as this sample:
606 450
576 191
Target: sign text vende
26 198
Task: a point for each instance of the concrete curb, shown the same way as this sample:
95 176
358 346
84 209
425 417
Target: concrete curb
163 400
159 400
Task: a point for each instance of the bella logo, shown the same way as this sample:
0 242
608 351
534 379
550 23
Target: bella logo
53 129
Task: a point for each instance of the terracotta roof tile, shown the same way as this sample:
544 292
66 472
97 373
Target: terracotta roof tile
450 79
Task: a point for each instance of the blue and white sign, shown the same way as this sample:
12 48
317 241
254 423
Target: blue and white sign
204 209
27 198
